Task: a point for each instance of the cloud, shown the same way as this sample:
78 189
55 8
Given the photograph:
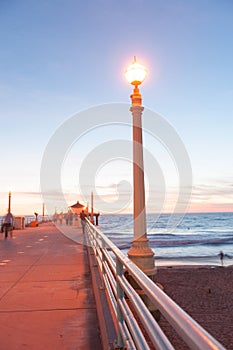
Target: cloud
221 189
214 196
21 193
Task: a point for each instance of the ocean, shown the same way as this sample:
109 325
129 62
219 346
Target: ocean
196 240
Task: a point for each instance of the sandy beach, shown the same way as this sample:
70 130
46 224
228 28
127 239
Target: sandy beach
206 294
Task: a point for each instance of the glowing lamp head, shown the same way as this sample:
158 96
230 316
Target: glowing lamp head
136 73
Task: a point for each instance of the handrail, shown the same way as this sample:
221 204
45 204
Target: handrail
129 334
29 219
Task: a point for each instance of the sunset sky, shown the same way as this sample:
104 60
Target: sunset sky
61 57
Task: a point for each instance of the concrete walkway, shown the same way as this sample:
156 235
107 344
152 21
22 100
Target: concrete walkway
46 296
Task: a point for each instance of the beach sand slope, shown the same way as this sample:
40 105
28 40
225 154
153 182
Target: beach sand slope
206 294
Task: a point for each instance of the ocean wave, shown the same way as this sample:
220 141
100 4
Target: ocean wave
168 242
173 243
193 257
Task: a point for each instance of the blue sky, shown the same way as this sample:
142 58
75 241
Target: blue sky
60 57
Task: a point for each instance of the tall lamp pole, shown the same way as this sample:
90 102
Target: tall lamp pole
92 208
9 202
140 252
43 212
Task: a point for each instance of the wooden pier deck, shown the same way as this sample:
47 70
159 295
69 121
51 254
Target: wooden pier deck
46 295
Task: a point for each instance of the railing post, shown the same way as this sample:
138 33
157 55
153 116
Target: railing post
120 296
92 234
103 260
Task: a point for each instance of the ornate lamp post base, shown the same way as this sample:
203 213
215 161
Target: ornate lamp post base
143 256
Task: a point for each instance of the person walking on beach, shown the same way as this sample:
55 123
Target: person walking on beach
8 224
221 256
83 220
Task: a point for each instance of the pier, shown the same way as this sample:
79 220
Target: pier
73 293
46 294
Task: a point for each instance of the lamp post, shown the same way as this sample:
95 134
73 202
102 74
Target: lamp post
9 202
92 208
140 252
42 212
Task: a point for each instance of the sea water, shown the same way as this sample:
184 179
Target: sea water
178 240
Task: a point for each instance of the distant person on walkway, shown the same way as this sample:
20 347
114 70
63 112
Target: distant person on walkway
61 218
55 218
67 218
8 224
83 220
221 256
71 218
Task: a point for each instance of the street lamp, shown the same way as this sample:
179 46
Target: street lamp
140 252
9 202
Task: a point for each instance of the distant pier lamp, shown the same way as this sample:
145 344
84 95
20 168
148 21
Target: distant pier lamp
9 202
92 208
140 252
43 212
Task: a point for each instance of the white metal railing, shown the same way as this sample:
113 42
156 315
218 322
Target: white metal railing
112 264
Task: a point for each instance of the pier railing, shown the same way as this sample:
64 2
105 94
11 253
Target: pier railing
29 219
130 313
